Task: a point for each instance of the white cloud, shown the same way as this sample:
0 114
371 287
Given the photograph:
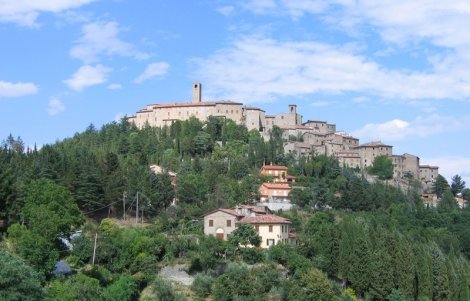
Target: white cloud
153 70
102 39
260 6
413 24
398 129
25 13
226 10
114 86
55 106
263 69
450 166
8 89
87 76
360 99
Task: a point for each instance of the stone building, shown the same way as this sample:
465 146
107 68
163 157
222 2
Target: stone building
311 137
271 228
428 175
369 151
159 115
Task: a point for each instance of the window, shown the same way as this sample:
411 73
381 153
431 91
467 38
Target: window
229 223
270 242
211 223
257 228
270 228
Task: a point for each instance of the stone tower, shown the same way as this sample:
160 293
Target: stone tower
197 92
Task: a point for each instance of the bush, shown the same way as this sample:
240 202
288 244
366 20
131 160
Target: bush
17 280
164 292
252 256
202 285
124 289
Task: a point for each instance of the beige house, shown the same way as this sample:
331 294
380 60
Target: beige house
272 229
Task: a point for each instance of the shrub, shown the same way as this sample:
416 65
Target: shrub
202 285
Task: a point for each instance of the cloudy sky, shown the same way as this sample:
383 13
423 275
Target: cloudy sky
390 70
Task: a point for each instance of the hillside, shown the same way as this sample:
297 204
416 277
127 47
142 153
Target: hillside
356 239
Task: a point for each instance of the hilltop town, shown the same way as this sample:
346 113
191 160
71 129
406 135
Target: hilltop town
300 138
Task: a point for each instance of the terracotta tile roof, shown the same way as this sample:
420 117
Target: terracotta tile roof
264 219
276 185
273 167
195 104
228 211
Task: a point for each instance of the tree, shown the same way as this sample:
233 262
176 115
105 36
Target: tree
447 201
125 289
49 209
18 281
440 185
311 285
382 167
245 235
458 185
78 287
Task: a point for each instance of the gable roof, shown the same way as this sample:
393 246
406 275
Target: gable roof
264 219
228 211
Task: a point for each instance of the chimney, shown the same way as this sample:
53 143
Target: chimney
196 92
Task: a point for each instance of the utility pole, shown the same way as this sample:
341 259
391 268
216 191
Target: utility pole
94 248
124 204
137 210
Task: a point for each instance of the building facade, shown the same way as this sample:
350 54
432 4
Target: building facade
271 228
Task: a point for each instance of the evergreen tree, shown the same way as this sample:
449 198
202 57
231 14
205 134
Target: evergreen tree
458 185
440 185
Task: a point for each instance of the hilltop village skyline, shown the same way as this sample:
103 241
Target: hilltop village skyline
300 138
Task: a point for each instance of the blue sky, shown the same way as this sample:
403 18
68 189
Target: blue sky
396 71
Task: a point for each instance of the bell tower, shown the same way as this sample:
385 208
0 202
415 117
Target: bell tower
197 89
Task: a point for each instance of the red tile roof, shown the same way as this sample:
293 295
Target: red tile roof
195 104
264 219
228 211
277 185
273 167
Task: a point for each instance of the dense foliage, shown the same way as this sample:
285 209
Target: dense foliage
356 238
